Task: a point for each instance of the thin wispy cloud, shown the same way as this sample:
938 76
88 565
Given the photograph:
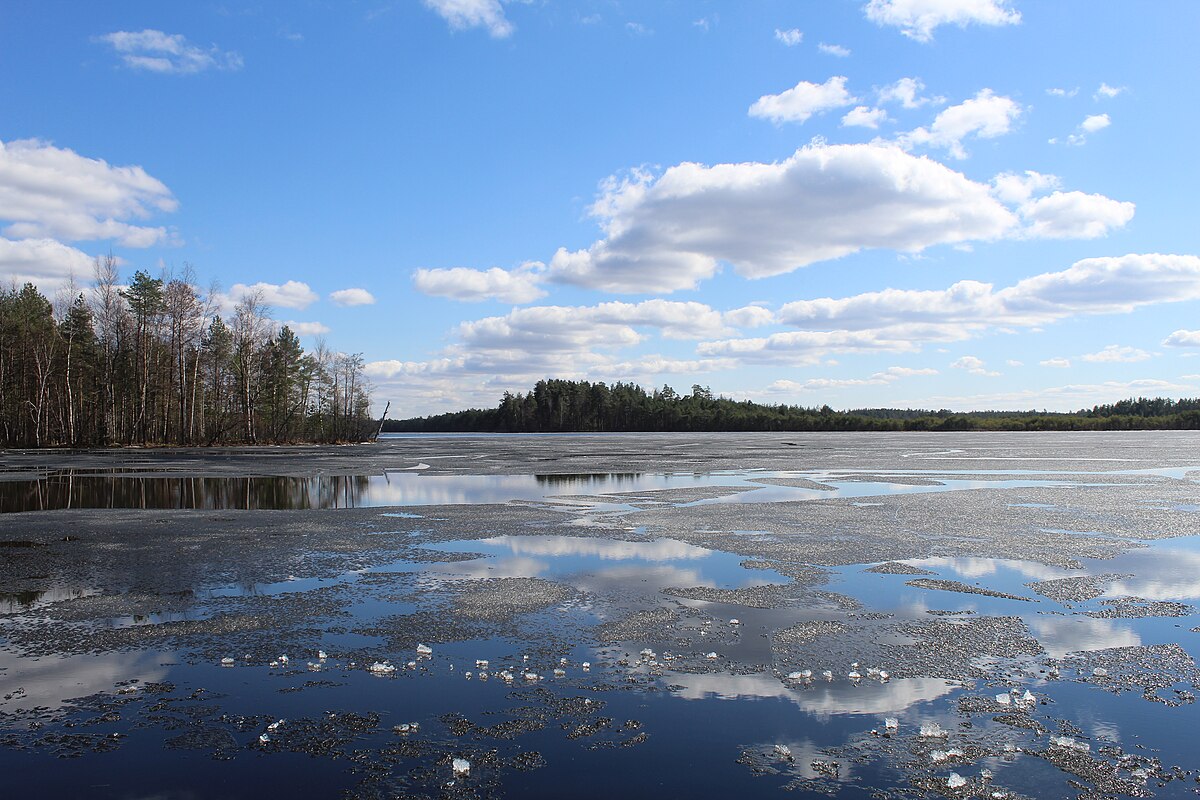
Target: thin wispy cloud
466 14
166 53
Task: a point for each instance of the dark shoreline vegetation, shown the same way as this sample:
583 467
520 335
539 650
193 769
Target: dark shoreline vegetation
559 406
154 363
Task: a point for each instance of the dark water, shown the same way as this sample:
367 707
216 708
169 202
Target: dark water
65 489
192 727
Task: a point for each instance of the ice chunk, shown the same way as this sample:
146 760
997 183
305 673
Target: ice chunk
461 766
1004 699
227 662
932 730
956 781
784 752
891 723
381 668
710 656
1100 672
424 650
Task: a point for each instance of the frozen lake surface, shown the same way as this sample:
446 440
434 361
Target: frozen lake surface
875 615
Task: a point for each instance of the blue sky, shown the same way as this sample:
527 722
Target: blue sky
933 203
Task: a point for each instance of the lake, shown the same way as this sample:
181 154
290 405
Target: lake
643 615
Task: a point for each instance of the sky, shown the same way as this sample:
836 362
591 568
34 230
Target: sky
964 204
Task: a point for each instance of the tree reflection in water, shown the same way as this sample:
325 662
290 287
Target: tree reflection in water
66 489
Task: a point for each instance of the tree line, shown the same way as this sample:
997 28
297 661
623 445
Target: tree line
153 362
554 406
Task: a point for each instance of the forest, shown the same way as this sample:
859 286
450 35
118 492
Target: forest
560 406
153 363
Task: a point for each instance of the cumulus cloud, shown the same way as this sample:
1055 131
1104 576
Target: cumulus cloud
463 14
352 297
893 318
1019 188
474 285
906 92
307 328
824 202
806 348
1182 338
1059 215
900 320
1090 124
293 294
790 37
973 365
44 262
749 317
167 53
985 116
1074 215
835 50
917 19
803 100
1106 91
52 192
1095 122
1057 363
1117 354
606 325
864 117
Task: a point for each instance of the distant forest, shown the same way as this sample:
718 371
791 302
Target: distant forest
559 406
153 363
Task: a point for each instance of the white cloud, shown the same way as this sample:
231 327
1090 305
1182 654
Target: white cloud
973 365
352 297
806 348
638 29
575 328
1074 215
790 37
1182 338
1090 124
1117 354
803 100
1069 397
1013 188
463 14
1057 363
906 92
292 294
864 117
307 328
749 317
1058 92
52 192
835 50
473 285
155 51
884 378
824 202
1014 363
44 262
1095 122
917 19
893 317
1108 91
985 116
